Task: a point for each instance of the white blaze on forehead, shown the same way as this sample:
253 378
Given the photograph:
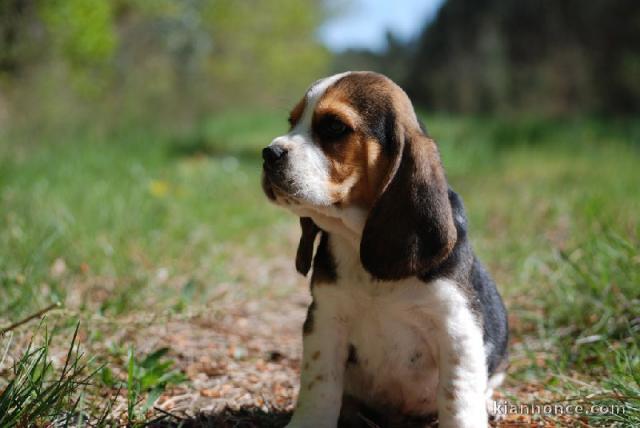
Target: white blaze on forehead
312 97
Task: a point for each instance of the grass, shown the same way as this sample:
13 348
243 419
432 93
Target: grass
134 223
150 376
38 394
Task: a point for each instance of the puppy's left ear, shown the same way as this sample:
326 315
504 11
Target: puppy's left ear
304 256
410 228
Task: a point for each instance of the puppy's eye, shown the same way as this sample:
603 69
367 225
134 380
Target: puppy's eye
331 127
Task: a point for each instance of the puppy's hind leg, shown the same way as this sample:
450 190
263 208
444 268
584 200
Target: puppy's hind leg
462 382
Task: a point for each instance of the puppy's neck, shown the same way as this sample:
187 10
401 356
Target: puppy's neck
346 223
347 227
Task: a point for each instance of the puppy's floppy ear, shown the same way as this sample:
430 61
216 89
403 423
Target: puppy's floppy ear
304 255
410 228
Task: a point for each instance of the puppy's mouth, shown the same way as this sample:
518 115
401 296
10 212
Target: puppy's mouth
275 186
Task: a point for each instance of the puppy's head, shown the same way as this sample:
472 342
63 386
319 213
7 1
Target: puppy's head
355 145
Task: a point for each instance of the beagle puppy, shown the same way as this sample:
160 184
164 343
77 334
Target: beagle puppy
405 322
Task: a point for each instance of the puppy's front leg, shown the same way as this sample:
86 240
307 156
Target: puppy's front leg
323 364
462 367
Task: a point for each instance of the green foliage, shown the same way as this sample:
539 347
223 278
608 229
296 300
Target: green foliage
150 375
275 47
101 205
37 392
623 385
162 63
597 284
599 281
83 31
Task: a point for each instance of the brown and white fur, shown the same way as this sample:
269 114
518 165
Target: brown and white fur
405 322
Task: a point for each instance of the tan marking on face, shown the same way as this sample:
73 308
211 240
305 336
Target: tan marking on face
357 164
374 165
315 355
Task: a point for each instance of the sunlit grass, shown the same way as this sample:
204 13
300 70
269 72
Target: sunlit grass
38 392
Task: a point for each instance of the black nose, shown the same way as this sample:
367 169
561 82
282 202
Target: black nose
272 154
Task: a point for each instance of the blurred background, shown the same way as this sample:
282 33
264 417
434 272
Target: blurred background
130 138
113 63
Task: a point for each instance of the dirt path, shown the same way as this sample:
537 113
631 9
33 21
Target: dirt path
243 356
243 360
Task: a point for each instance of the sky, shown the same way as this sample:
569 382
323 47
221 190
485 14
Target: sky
363 23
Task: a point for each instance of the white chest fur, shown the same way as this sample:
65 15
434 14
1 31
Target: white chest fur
416 347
